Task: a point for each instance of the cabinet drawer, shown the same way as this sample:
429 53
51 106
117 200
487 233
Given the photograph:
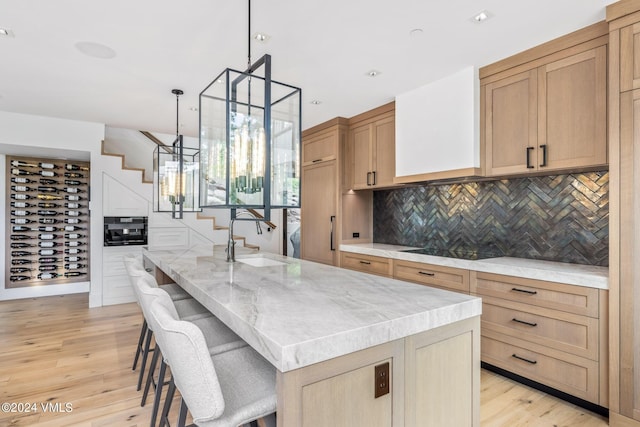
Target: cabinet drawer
556 329
565 372
432 275
366 263
572 299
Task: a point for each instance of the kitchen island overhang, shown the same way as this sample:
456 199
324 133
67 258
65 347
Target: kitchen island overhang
319 324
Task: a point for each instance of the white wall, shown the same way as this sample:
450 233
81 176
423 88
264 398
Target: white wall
437 125
38 136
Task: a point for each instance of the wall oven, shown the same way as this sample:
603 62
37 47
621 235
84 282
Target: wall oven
123 231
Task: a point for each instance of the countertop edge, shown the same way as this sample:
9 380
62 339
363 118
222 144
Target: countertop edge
571 274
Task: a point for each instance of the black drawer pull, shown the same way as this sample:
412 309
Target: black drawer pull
426 273
316 160
524 291
365 262
533 362
524 323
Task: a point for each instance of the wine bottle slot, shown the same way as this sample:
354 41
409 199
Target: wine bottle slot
47 181
21 221
21 213
48 260
49 221
21 261
48 197
73 175
22 205
21 188
46 189
48 252
47 267
74 266
21 180
21 253
74 273
19 278
19 245
17 270
72 167
48 205
43 276
20 196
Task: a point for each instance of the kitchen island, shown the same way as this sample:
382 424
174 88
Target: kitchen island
338 338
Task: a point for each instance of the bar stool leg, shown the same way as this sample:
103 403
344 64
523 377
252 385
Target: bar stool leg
171 391
152 369
145 353
158 396
143 332
182 416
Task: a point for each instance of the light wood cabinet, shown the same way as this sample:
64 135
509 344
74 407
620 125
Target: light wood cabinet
550 116
449 278
371 154
548 332
367 263
434 381
320 209
624 214
319 212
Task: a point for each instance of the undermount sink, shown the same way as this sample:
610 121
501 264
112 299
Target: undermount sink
260 262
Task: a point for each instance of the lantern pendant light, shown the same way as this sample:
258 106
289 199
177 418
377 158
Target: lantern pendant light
250 132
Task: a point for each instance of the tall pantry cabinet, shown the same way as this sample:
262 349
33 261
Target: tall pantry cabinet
321 190
624 221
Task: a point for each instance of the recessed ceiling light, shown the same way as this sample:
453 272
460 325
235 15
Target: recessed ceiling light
373 73
261 37
193 108
96 50
315 102
416 32
481 16
6 32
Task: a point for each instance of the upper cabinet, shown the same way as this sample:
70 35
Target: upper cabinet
437 129
370 154
548 112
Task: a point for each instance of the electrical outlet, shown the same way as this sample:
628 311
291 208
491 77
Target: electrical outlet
356 235
381 380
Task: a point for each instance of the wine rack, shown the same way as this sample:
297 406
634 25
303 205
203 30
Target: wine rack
47 224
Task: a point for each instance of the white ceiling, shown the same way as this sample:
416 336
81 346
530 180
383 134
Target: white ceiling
326 47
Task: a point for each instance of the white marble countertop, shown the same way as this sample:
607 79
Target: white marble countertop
572 274
298 313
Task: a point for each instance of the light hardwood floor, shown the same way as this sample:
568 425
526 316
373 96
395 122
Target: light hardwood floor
56 350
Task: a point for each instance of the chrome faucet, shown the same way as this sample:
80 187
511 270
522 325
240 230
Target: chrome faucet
231 244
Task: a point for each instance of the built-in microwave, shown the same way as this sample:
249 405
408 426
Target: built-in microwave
123 231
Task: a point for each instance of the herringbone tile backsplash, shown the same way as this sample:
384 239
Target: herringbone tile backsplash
559 218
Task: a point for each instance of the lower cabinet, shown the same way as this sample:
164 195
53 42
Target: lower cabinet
367 263
449 278
116 288
433 380
548 332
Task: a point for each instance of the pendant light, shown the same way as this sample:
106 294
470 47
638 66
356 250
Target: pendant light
176 174
250 133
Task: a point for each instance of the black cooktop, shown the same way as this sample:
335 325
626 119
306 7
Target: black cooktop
470 254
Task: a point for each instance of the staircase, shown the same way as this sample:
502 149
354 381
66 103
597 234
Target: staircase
205 225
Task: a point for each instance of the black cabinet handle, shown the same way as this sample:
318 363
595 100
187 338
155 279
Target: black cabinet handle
332 219
529 165
524 291
544 155
426 273
374 177
365 262
316 160
368 178
524 323
515 356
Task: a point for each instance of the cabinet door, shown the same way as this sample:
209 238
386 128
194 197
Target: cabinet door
629 251
320 147
318 215
630 57
572 111
384 155
360 139
511 124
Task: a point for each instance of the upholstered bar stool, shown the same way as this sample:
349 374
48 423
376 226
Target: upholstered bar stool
219 338
225 390
135 268
188 309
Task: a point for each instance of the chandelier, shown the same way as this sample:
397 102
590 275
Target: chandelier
250 133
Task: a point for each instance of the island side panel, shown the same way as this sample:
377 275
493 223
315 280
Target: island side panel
340 391
443 376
